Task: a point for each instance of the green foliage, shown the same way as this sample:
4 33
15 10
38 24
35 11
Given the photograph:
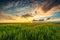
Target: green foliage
35 31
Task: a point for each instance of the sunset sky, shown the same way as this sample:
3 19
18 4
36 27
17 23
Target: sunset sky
27 10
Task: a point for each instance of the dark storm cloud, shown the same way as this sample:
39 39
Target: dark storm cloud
22 3
50 4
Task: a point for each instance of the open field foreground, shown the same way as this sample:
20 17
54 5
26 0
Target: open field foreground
34 31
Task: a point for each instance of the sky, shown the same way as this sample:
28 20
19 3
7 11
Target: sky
28 10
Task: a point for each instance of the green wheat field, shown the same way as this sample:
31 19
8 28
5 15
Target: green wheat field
29 31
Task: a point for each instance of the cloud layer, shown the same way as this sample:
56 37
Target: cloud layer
18 9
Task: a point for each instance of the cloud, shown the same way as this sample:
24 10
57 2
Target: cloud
50 4
13 10
5 16
53 20
8 5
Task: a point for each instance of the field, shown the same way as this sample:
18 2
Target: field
32 31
